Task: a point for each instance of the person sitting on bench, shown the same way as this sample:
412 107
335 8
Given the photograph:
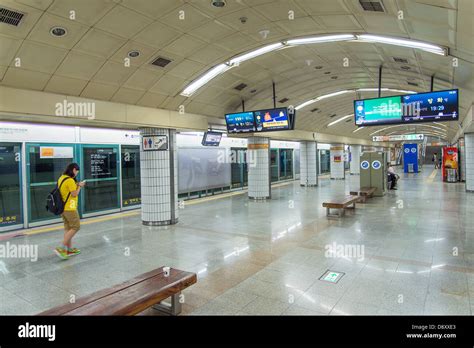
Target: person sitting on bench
393 177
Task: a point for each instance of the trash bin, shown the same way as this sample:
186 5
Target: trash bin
451 175
411 167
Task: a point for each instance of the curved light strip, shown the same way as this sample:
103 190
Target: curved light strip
253 54
407 125
222 68
309 102
339 120
358 129
403 42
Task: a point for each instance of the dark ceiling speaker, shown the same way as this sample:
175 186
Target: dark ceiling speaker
218 3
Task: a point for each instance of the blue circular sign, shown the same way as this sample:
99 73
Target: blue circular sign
365 165
407 150
376 165
413 150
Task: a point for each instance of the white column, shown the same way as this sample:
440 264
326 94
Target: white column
308 163
337 162
469 160
258 162
159 181
355 159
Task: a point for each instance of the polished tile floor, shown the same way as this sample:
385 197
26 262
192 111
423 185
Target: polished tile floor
266 258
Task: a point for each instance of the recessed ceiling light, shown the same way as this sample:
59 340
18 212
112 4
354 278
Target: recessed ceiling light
58 31
133 54
218 3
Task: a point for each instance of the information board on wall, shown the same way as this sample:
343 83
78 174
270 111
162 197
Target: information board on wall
404 137
100 163
155 143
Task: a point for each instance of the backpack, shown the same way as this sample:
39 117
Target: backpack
54 201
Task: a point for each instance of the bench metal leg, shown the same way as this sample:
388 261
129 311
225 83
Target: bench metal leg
173 308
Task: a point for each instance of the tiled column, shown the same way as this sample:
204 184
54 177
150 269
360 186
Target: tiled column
308 163
258 161
355 159
469 160
159 181
337 162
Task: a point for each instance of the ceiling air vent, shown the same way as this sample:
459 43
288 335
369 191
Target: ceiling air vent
400 60
240 87
333 115
349 120
284 100
315 109
10 17
404 67
161 62
412 83
372 6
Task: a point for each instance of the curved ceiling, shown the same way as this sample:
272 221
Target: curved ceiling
194 36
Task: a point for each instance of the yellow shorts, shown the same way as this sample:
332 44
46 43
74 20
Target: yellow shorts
71 220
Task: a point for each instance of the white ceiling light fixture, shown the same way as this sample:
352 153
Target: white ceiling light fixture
339 120
404 43
358 129
320 39
201 81
219 69
330 95
253 54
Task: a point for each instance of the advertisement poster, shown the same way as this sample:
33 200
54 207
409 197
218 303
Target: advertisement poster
450 160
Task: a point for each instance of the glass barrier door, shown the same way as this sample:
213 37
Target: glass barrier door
274 168
45 163
239 169
11 215
130 166
286 164
99 167
324 161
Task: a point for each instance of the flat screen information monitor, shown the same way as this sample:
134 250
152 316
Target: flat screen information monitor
378 111
411 108
432 106
242 122
272 120
211 139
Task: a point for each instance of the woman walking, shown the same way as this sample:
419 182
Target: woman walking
69 189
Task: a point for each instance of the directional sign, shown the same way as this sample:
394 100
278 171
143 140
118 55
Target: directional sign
155 143
331 276
404 137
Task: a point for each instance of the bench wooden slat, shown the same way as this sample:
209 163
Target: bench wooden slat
341 203
130 297
95 296
136 299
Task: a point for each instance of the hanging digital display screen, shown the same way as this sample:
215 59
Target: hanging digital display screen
432 106
211 139
242 122
411 108
272 120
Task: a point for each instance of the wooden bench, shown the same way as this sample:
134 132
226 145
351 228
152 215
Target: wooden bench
133 296
341 204
364 193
